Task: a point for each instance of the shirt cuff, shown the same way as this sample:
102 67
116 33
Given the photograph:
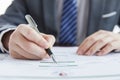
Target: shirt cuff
1 36
116 30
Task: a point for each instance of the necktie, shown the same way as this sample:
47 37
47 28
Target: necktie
68 23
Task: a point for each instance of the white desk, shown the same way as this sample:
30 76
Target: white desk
80 67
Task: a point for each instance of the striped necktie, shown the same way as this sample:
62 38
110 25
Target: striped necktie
68 23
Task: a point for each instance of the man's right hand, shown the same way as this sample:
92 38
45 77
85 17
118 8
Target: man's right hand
26 43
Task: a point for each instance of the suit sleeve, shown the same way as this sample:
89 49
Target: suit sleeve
13 16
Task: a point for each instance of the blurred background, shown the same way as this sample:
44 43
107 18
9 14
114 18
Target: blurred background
3 5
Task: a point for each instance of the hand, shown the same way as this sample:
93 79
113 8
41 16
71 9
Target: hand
100 43
26 43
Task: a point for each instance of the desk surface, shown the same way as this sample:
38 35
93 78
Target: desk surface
76 67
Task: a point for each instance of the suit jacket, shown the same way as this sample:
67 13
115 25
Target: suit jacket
104 14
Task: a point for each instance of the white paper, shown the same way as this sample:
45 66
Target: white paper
73 65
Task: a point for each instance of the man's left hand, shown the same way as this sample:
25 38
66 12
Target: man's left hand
100 43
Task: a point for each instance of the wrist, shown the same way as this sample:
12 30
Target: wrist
5 39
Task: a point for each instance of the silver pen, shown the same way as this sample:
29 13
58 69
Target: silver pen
33 24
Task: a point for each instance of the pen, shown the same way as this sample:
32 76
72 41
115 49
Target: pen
33 24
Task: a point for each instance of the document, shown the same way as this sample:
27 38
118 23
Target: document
69 65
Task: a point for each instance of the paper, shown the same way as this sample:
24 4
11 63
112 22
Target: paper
68 62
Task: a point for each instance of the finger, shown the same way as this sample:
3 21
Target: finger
29 47
108 48
98 45
32 35
24 53
11 49
19 53
15 55
88 42
49 38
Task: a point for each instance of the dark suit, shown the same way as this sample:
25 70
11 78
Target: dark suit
43 11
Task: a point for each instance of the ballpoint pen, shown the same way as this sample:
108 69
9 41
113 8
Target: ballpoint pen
33 24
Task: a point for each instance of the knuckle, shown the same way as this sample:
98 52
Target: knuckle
39 41
52 37
91 39
104 51
21 27
101 41
28 46
83 50
108 33
91 50
110 45
29 31
104 32
101 31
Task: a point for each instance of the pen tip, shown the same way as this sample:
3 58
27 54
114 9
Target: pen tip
54 59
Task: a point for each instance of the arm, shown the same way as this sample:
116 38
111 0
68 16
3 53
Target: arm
22 42
101 42
13 16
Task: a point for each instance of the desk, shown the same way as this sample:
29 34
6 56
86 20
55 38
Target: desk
88 67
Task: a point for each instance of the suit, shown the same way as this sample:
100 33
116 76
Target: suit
103 14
